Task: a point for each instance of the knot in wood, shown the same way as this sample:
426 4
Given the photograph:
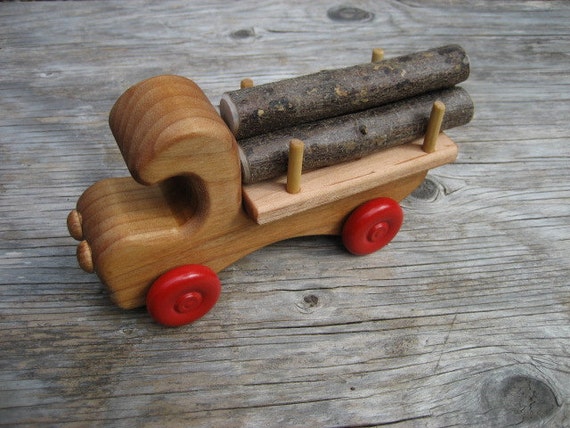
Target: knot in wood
311 300
244 33
429 190
519 399
349 14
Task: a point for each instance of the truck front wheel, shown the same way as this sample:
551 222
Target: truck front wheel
183 295
372 225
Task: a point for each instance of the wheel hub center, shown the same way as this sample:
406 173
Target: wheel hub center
378 231
188 302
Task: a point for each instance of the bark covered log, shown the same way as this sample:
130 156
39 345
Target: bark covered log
328 93
349 137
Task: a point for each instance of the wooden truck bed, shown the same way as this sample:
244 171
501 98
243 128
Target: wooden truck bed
268 201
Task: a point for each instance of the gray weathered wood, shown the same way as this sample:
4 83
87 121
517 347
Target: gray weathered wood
463 320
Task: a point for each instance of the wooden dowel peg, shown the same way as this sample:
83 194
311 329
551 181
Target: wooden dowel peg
434 126
246 83
295 166
377 54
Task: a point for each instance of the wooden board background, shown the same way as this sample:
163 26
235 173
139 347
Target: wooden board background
463 320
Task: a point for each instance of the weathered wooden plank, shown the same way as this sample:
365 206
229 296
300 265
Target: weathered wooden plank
462 320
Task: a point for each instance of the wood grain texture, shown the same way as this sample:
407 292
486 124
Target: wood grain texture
266 201
463 320
189 209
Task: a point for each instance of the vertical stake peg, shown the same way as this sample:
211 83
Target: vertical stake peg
377 54
295 166
246 83
434 126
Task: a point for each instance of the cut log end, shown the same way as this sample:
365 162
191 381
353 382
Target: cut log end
245 169
229 113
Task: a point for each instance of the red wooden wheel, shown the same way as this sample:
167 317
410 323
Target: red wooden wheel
183 295
372 225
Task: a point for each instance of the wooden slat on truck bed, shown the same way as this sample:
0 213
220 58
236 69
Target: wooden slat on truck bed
269 201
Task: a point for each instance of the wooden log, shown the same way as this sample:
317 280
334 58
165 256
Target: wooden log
352 136
328 93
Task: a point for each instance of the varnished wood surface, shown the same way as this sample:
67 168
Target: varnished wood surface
463 320
267 202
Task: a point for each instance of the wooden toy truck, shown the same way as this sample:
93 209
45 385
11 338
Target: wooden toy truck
160 237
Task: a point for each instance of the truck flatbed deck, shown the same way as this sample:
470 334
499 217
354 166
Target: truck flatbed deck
268 201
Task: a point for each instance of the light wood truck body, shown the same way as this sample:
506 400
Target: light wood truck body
191 207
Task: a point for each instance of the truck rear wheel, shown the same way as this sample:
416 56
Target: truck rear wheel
183 295
372 225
